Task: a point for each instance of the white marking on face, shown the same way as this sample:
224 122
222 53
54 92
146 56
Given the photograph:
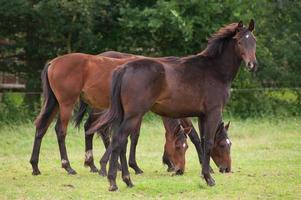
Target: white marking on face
184 145
247 36
228 141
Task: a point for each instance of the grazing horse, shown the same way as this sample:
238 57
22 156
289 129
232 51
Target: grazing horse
221 149
203 79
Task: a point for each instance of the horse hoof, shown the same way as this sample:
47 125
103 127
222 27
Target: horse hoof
36 173
128 182
210 182
71 171
93 170
138 171
113 188
102 173
170 169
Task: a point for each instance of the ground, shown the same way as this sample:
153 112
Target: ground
266 157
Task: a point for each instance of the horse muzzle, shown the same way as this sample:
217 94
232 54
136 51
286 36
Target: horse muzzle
252 66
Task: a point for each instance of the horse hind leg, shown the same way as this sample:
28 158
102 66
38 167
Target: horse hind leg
124 168
132 159
61 132
89 160
105 136
41 128
118 144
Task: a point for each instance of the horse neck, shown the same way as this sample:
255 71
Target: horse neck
170 126
227 63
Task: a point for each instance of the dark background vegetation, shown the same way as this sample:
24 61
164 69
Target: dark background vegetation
39 30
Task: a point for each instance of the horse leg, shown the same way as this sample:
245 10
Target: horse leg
41 129
195 139
210 125
118 144
124 167
89 160
165 160
134 141
104 160
61 132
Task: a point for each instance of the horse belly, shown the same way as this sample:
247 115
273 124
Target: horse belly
177 109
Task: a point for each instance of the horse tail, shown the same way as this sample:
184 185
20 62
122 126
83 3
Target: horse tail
50 102
79 115
114 115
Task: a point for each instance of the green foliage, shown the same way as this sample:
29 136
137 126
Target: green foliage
41 30
14 110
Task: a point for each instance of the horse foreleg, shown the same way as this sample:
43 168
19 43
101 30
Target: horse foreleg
61 132
210 125
165 160
199 144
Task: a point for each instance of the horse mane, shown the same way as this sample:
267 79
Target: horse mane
217 41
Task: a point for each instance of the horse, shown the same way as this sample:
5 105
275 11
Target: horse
192 86
66 79
221 149
170 125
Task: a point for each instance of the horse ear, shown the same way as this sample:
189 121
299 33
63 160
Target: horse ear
187 130
251 25
178 129
227 125
220 127
240 25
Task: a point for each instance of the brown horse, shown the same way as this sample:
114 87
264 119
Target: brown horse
221 149
73 76
193 86
169 124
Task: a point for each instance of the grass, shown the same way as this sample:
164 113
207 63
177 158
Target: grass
266 165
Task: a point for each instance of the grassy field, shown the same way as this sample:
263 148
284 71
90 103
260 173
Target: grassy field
266 165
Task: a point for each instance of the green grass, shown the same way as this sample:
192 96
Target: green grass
266 164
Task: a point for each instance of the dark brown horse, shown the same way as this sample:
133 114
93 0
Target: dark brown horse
193 86
173 137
